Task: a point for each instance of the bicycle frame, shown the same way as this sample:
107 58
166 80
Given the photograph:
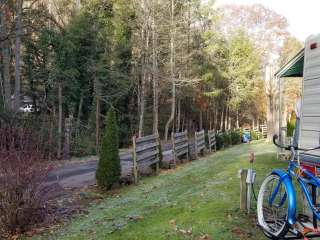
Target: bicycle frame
286 179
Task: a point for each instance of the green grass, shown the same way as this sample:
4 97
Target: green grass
202 197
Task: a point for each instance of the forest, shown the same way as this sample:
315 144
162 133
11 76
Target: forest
118 83
163 65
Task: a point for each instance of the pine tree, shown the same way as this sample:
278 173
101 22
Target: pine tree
109 169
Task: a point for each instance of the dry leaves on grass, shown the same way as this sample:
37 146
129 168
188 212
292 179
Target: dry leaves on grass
135 218
187 232
180 230
240 233
205 237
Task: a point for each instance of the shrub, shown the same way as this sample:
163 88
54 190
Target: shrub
235 137
109 169
83 144
219 141
226 139
256 135
23 172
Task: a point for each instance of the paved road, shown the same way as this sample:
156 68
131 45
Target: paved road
76 175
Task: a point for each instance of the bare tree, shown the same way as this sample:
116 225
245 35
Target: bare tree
155 71
5 52
172 70
144 73
17 86
98 110
59 150
272 95
144 39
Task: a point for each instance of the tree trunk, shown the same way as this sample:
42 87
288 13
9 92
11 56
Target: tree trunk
190 128
226 120
155 73
225 127
2 89
200 121
179 116
237 123
144 62
59 150
270 116
216 118
229 119
172 71
67 138
5 52
221 120
142 107
78 4
183 122
50 137
79 115
17 86
97 123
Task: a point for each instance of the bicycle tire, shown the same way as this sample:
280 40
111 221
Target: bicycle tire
280 226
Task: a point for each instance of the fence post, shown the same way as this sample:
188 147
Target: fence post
215 141
243 189
187 137
195 145
135 165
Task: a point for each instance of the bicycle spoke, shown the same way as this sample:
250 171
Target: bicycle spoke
274 214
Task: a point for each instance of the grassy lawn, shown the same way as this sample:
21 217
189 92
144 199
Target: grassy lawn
199 200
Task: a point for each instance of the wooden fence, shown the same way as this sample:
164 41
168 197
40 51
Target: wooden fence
255 129
199 143
264 130
180 146
212 140
127 170
146 154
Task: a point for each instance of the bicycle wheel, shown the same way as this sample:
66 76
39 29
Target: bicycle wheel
272 208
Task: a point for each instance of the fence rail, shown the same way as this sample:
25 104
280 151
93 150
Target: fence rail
146 154
212 140
180 145
126 169
264 130
200 143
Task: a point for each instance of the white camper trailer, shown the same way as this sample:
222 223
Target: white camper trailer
306 64
281 218
310 110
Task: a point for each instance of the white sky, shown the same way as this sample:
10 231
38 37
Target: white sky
303 15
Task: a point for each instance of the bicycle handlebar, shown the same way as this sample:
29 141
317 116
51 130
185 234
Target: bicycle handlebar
275 137
289 147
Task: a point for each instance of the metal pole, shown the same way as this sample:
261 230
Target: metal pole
249 187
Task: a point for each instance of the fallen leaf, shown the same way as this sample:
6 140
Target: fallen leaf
173 222
205 237
135 218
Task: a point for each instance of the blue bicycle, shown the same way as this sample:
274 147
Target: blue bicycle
277 200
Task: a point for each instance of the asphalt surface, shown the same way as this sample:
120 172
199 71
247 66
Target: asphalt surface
76 175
